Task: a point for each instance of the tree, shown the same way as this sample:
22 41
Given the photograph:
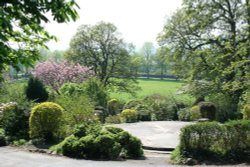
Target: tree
161 60
209 40
148 52
36 91
101 48
55 74
22 30
137 62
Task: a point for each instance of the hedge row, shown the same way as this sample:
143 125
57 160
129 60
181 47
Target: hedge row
229 142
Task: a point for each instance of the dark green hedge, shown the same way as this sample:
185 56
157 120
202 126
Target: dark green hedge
229 142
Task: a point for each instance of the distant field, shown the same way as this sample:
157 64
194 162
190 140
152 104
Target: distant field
153 86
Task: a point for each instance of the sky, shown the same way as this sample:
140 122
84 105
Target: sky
138 21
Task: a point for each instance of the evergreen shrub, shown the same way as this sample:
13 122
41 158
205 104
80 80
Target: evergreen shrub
45 120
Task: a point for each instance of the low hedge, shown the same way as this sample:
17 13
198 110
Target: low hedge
229 142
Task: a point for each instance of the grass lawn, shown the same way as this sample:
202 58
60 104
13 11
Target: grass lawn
153 86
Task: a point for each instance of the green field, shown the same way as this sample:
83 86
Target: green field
153 86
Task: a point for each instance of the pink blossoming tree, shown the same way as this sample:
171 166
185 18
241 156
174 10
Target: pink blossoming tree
55 74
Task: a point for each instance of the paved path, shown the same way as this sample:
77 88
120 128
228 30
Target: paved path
13 157
160 134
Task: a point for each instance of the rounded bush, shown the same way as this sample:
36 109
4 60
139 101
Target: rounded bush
132 146
195 113
36 91
70 147
113 106
246 111
45 120
109 143
129 115
208 110
107 147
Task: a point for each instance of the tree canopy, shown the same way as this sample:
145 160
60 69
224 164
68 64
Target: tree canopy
22 30
209 40
101 48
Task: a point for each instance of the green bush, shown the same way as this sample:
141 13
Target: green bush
132 145
45 120
164 108
143 110
105 143
113 119
195 113
246 111
2 138
36 91
96 92
113 107
13 91
184 114
208 110
70 89
78 108
106 147
15 119
216 142
225 107
70 147
88 128
129 115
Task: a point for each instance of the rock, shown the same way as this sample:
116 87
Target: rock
191 161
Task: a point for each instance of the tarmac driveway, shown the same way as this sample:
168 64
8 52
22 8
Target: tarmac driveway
157 134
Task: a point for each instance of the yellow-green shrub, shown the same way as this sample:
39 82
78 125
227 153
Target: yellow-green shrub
129 115
246 111
195 113
45 120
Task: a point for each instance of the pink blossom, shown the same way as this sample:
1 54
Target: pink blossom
55 74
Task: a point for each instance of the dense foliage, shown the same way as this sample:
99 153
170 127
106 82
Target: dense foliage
96 91
129 115
96 142
78 108
208 40
215 142
14 119
45 120
246 111
36 91
2 138
22 26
